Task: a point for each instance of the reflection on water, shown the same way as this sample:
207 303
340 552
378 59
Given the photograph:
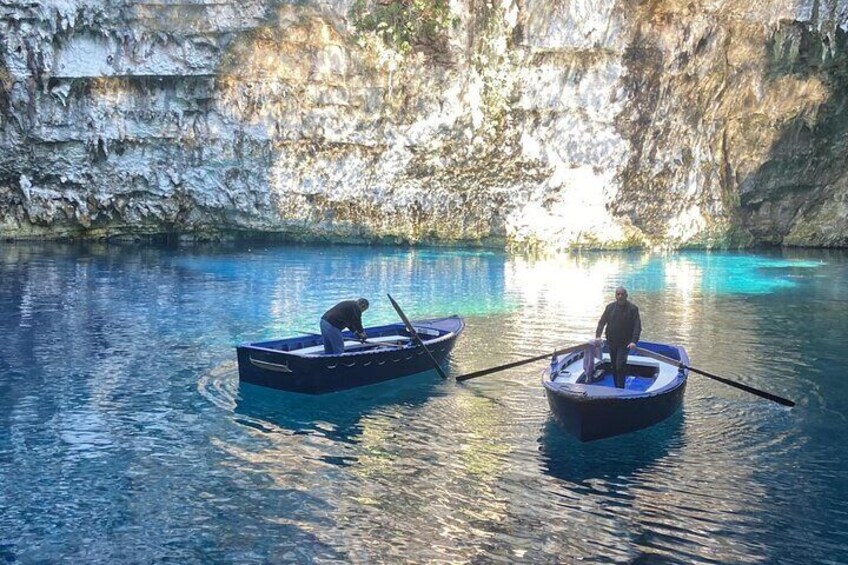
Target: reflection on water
626 457
336 416
121 412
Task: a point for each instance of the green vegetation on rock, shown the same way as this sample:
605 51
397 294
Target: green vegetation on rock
404 24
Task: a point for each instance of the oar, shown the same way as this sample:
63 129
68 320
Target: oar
740 386
476 374
415 336
368 341
383 343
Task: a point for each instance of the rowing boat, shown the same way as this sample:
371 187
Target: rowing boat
584 400
299 364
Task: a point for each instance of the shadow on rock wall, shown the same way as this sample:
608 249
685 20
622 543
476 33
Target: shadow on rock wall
799 195
736 127
5 85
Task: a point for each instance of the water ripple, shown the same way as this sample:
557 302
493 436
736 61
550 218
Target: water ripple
121 409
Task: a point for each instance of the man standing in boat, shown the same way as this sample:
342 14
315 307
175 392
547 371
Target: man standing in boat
345 314
623 329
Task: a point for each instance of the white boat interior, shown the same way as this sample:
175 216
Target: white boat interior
353 345
644 376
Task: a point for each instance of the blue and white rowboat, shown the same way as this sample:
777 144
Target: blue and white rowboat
589 406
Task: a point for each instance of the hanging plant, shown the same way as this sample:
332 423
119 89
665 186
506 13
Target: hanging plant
404 25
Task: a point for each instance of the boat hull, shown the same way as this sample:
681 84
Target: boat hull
263 365
590 417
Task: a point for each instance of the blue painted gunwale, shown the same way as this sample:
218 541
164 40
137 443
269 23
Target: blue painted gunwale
277 363
590 417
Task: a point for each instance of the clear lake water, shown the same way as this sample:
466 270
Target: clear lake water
126 437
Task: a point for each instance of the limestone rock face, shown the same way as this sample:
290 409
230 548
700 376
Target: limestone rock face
529 123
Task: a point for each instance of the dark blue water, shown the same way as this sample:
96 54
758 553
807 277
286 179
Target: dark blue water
125 436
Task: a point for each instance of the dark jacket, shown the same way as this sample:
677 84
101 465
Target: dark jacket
623 323
345 314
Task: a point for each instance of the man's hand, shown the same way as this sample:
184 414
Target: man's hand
631 346
362 336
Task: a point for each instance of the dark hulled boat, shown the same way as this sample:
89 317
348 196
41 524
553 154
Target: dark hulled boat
299 364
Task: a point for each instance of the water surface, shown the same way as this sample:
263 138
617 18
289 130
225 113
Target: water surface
125 435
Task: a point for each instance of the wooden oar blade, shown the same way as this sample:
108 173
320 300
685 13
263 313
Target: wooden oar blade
728 382
415 336
403 317
483 372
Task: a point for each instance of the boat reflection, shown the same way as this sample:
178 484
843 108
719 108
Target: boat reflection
622 457
335 416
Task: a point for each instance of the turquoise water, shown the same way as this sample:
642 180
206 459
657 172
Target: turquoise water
125 436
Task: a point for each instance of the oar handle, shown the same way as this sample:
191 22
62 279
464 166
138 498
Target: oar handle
384 344
728 382
480 373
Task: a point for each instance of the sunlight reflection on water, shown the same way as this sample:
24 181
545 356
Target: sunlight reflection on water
122 412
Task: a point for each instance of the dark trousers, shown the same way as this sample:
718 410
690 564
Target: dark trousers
618 359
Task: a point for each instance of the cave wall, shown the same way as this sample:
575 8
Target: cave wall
529 124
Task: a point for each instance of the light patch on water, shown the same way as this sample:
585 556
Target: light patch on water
85 432
738 274
694 275
564 293
26 308
681 279
799 264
